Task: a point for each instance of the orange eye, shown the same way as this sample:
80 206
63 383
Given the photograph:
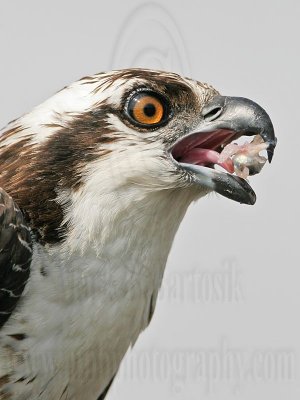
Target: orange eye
147 108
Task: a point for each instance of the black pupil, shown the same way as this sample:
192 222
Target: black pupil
149 110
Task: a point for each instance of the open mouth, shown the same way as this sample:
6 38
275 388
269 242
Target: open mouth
213 158
204 149
200 154
219 148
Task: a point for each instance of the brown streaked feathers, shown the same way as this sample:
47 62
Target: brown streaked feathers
32 174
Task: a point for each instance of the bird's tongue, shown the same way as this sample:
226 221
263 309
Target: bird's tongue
206 157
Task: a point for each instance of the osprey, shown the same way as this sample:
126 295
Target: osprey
95 182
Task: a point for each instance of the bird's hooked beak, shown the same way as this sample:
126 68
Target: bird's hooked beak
224 119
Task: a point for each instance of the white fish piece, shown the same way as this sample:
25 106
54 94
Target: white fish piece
246 158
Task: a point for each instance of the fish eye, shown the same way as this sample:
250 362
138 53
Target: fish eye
148 109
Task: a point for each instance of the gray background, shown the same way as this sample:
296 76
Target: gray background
227 323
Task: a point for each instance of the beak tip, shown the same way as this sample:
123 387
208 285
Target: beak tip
270 149
270 156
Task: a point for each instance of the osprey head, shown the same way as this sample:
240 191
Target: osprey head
120 136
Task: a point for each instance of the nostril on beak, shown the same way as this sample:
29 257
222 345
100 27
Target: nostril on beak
211 113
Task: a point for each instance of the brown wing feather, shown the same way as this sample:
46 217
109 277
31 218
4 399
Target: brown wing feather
15 255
